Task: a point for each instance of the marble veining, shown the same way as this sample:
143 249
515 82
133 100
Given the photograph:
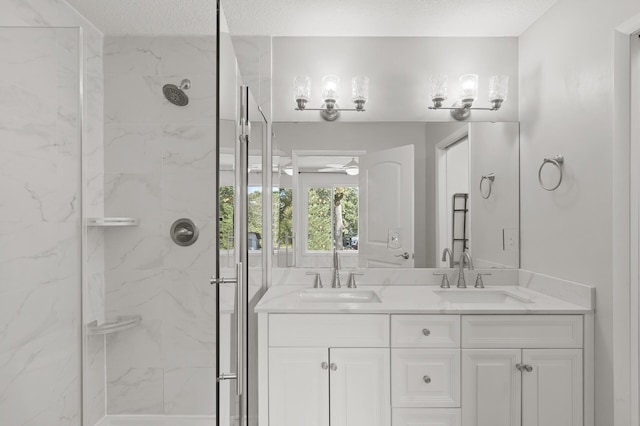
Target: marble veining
159 164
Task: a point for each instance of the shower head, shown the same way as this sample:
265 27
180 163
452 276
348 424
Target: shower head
175 94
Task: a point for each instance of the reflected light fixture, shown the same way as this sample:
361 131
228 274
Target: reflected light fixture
330 110
352 168
461 109
288 168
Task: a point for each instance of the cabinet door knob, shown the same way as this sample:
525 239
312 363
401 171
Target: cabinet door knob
334 367
427 379
324 365
426 331
524 368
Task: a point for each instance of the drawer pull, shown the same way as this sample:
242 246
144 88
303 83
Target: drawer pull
524 368
426 331
334 367
324 365
427 379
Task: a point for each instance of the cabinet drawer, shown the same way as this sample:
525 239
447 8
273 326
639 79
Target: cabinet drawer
425 331
426 417
521 331
425 377
329 330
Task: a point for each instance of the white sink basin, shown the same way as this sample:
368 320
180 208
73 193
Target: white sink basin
337 295
479 295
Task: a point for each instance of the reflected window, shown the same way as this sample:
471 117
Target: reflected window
227 218
283 218
332 211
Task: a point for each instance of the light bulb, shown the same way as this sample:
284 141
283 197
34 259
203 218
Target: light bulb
302 90
498 89
330 87
439 89
468 89
360 91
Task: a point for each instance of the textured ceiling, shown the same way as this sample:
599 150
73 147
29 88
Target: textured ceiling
151 17
406 18
383 18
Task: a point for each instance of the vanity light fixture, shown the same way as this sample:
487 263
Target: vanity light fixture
461 110
330 110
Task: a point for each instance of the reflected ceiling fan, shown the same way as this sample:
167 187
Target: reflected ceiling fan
351 168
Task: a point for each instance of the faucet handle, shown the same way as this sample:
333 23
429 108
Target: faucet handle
351 283
445 279
479 282
317 282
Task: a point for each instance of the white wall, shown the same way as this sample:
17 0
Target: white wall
566 107
399 68
494 148
40 247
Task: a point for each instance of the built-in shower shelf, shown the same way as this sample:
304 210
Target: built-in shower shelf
112 221
115 325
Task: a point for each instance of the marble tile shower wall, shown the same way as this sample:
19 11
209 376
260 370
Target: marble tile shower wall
159 167
40 229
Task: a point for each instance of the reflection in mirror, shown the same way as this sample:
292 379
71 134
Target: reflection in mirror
395 194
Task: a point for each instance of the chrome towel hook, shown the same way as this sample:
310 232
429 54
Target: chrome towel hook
491 177
557 161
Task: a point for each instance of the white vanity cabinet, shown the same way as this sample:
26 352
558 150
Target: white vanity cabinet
522 370
329 370
422 370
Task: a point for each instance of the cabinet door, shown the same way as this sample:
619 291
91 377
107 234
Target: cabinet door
298 387
552 391
360 387
491 387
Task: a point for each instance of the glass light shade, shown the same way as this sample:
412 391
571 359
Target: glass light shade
469 87
330 87
352 168
360 89
498 87
439 89
302 88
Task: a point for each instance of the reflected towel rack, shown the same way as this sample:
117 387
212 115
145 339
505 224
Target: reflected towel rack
491 177
558 162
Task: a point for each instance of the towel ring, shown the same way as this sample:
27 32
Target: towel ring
557 161
490 178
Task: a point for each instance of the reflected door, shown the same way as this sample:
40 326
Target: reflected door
387 208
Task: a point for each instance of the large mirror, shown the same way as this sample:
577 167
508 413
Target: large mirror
387 194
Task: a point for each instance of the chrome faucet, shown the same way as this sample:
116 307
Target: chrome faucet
335 279
444 256
465 256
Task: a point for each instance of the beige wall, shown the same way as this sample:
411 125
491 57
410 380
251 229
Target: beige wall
566 107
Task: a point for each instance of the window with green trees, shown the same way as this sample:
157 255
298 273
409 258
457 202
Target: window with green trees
332 211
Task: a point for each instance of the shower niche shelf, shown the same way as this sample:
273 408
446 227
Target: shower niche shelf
120 323
106 222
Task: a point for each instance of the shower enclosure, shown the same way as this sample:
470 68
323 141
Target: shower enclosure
131 225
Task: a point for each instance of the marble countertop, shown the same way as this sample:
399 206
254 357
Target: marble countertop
398 299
